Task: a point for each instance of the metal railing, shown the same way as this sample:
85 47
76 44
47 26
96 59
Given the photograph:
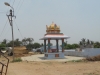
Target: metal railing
4 65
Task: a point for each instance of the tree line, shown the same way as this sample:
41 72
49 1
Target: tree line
84 43
28 42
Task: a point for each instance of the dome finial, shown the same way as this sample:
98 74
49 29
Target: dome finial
52 22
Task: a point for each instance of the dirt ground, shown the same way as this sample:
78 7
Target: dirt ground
54 68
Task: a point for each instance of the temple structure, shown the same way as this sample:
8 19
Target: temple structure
53 33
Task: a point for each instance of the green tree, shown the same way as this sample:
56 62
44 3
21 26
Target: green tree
17 42
4 41
88 42
36 45
2 45
9 44
69 46
42 44
24 41
96 45
83 42
65 44
91 42
29 40
80 43
30 46
74 46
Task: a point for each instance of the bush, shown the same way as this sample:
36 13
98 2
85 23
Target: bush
29 46
94 58
76 61
2 45
17 60
3 48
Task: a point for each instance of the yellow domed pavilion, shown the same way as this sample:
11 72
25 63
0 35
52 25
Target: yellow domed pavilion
53 28
53 33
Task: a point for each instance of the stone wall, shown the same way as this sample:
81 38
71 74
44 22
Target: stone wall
87 52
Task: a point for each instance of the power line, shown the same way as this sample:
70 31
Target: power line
3 28
6 32
20 7
13 3
18 29
18 4
5 24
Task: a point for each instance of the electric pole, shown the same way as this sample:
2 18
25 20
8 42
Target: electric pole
10 16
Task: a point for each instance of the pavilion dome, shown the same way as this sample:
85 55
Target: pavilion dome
53 28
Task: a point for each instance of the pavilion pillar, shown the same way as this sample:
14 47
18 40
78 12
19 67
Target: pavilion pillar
62 44
57 45
49 45
45 45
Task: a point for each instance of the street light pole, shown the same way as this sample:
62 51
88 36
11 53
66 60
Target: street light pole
11 24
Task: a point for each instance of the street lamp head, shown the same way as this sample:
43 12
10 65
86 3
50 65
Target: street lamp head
7 4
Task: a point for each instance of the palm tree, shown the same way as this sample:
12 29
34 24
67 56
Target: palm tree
92 44
17 42
88 43
4 41
83 42
80 44
30 40
24 41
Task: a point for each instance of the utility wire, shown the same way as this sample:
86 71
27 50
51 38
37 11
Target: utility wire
18 29
13 3
5 23
6 32
18 4
20 7
3 28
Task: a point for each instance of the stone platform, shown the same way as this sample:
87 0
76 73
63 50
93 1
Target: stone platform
54 55
40 57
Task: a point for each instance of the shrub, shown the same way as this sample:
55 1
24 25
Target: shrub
76 61
17 60
94 58
2 45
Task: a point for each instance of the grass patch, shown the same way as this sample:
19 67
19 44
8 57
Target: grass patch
17 60
48 62
76 61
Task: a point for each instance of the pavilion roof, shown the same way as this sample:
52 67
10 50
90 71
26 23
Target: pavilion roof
53 37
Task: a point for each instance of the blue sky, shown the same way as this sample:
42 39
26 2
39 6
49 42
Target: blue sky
76 18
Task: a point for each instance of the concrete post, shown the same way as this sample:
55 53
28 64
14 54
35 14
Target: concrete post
57 45
44 45
49 45
62 45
